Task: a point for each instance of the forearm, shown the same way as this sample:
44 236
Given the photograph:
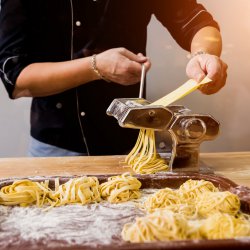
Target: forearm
43 79
117 65
207 39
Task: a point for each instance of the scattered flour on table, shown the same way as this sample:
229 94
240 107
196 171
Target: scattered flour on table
95 224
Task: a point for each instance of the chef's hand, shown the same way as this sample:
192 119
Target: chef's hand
121 66
211 66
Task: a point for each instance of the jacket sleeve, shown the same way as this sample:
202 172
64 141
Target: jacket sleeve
13 46
183 19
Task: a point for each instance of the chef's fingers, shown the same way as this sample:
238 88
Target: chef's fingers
194 70
218 80
210 65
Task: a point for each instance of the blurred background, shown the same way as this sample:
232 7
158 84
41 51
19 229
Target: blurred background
229 106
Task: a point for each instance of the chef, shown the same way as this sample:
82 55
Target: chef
74 57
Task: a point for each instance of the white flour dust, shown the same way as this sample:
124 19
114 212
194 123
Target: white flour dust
95 224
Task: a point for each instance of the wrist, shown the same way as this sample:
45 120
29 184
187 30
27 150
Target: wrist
196 53
95 70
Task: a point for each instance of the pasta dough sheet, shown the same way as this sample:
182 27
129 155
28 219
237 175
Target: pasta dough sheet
185 89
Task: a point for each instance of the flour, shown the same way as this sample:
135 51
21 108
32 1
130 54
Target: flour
89 225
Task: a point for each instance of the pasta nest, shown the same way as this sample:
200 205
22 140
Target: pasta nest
224 202
191 189
24 193
158 226
120 188
82 190
224 226
162 199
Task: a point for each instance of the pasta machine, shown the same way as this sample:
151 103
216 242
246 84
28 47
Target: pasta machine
178 131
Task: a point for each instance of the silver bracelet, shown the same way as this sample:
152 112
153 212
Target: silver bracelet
93 64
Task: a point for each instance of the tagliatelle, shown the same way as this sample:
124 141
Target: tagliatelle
224 202
120 188
164 225
224 226
143 158
24 193
169 199
197 210
82 190
190 189
183 200
159 226
205 213
161 199
194 198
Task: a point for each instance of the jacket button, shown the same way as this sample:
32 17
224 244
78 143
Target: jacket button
78 23
162 145
82 113
59 105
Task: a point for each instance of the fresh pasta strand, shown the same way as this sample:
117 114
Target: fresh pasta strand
182 200
24 193
194 198
120 188
143 158
83 190
206 214
224 226
243 216
159 226
224 202
171 200
161 199
190 189
164 225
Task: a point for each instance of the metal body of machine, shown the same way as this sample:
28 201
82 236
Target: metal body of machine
179 132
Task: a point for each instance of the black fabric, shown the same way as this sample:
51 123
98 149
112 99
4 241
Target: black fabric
40 31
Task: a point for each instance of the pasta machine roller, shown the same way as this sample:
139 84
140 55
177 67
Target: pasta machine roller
137 113
178 131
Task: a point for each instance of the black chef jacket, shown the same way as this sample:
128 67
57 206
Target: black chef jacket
59 30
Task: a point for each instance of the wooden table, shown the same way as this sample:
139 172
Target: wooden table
233 165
